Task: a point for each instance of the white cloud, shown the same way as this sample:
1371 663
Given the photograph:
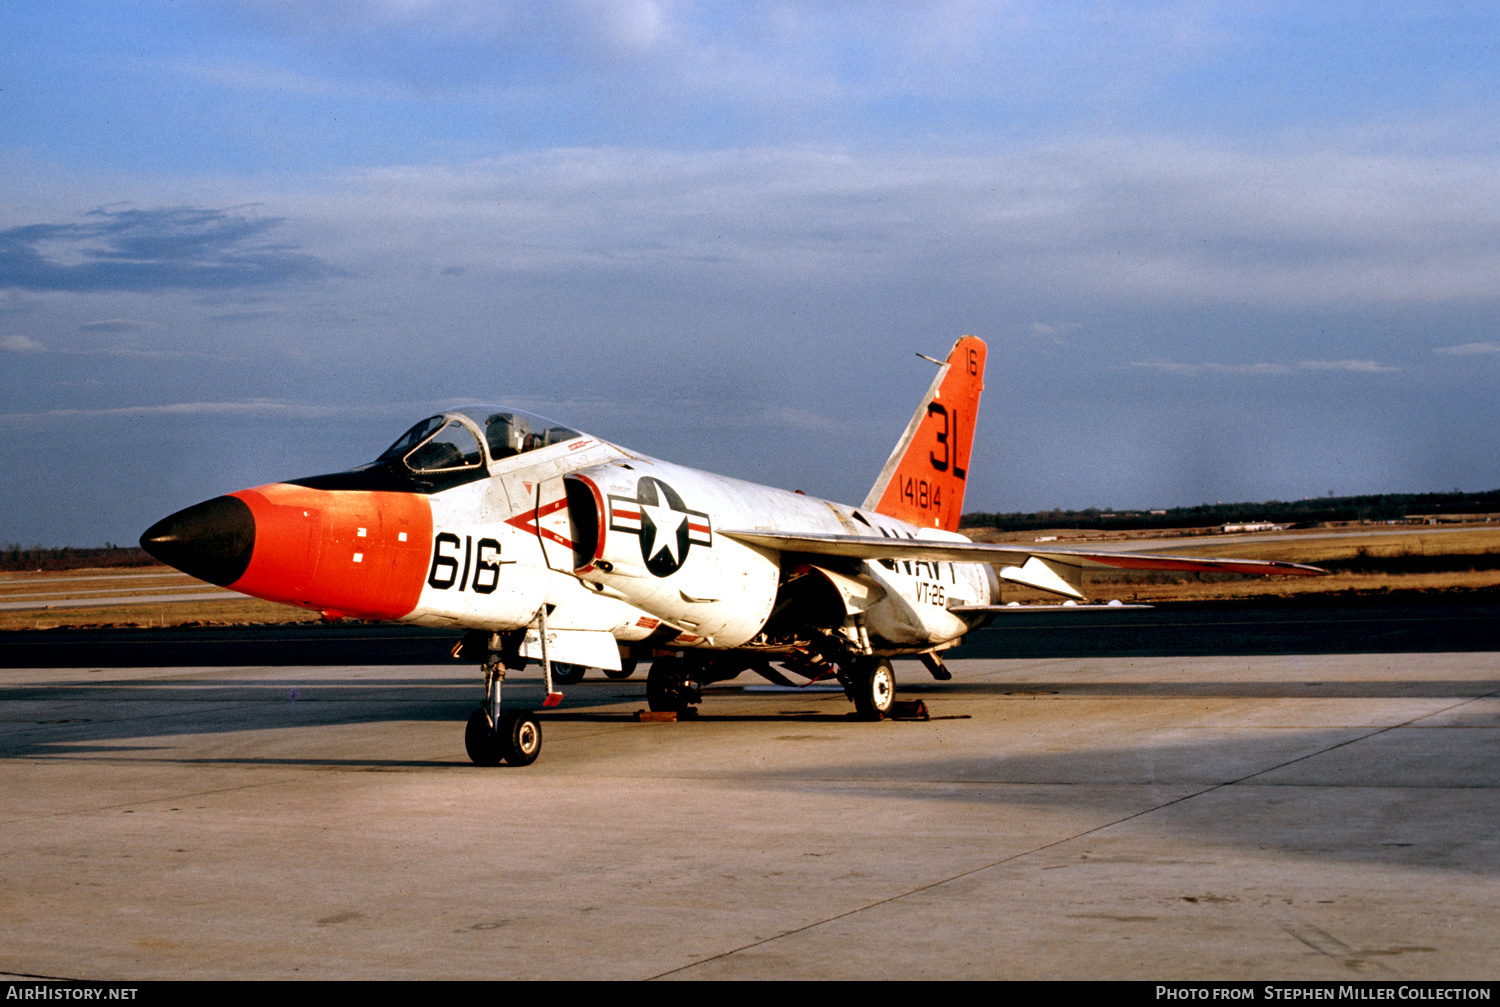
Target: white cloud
116 325
1469 349
1140 219
777 55
250 407
261 76
1356 366
21 344
1196 370
1054 331
245 408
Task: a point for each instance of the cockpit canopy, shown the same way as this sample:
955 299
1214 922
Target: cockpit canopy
450 449
451 442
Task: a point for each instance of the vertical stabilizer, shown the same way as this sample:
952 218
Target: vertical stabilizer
923 480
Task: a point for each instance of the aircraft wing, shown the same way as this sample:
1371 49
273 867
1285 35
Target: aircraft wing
863 547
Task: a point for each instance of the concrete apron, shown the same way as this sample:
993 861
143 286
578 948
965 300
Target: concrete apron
1283 817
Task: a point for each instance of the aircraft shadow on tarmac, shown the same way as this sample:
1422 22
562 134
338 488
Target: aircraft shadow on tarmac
55 719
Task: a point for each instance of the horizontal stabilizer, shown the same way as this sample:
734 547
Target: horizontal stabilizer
934 551
1051 576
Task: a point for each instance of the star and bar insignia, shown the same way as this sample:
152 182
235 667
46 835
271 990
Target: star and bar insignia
666 527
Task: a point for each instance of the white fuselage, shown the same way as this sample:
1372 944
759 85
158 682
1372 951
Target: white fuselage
654 564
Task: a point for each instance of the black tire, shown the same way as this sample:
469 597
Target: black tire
480 741
667 686
872 686
520 737
567 674
627 668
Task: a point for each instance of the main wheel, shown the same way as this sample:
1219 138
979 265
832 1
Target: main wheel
520 737
667 686
627 668
480 740
567 674
872 686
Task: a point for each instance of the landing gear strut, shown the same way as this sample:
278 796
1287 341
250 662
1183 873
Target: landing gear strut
871 683
491 737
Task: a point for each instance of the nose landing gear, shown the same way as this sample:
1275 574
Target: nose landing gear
517 742
492 737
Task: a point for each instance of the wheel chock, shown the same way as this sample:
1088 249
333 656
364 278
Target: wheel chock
909 709
656 716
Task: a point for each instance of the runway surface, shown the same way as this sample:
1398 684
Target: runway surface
1260 816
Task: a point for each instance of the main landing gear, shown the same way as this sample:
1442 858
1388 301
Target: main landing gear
669 686
674 682
627 668
572 674
870 683
568 674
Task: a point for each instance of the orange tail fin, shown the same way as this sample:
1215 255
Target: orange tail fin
923 480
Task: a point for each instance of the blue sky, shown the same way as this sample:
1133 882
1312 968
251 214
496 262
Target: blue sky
1219 250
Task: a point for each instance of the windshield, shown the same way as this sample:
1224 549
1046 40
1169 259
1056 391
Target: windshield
437 444
416 435
452 447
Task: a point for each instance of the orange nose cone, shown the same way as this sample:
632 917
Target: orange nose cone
212 541
359 553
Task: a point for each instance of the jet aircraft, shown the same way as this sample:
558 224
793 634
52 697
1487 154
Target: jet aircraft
548 544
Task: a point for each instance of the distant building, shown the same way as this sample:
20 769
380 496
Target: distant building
1254 526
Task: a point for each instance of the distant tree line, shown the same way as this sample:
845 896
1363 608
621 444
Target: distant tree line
14 557
1382 507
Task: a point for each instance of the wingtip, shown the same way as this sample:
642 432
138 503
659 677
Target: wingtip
1301 569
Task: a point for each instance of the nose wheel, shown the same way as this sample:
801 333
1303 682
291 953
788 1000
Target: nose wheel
517 742
493 736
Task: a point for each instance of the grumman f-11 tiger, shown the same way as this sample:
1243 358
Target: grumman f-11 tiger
548 544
